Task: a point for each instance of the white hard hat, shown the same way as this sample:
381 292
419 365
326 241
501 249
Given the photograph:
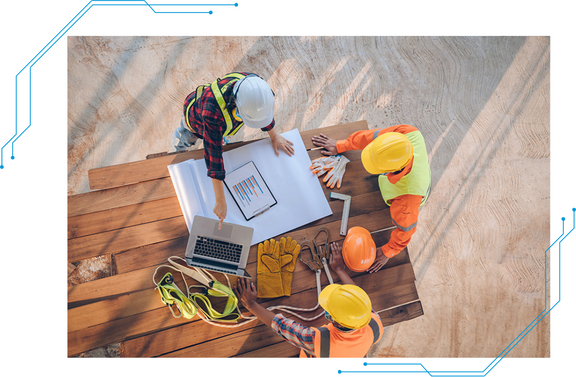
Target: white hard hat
255 101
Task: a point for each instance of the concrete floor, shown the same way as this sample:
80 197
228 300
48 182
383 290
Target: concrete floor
482 104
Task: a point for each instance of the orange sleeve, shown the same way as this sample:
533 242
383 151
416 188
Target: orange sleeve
404 211
360 139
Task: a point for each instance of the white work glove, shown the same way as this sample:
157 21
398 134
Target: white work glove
334 176
322 165
335 166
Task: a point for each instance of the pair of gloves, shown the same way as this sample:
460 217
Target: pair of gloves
276 262
335 166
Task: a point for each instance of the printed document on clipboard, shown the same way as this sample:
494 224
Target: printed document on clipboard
249 190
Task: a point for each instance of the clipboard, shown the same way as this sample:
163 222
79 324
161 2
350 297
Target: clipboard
249 190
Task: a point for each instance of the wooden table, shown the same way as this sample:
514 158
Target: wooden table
133 216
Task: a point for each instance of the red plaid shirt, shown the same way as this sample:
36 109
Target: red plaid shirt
207 122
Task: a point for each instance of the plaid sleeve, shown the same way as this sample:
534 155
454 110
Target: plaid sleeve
214 128
295 333
270 126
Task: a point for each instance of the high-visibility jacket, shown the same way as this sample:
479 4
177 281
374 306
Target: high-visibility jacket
331 342
404 192
217 88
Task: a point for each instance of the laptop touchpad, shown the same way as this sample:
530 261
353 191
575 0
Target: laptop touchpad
225 232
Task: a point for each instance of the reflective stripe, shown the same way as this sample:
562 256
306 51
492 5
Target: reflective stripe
220 99
405 229
324 342
199 91
375 329
375 134
222 105
425 198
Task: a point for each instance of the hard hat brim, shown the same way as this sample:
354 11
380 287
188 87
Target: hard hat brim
259 123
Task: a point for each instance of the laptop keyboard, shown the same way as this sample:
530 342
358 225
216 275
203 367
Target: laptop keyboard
209 247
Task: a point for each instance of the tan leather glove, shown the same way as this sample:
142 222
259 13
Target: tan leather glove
289 251
269 281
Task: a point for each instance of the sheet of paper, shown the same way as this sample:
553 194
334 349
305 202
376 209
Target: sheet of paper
298 191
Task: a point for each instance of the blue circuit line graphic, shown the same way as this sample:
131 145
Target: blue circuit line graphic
64 30
444 373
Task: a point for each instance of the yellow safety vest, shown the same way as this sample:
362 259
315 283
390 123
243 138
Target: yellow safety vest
417 182
217 90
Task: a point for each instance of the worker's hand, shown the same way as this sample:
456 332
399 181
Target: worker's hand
336 260
278 141
246 292
379 262
220 210
325 142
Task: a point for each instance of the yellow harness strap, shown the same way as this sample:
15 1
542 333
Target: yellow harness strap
220 99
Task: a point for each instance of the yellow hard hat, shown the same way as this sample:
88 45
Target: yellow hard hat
387 153
347 304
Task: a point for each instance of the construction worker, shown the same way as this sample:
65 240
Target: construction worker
354 327
217 110
398 155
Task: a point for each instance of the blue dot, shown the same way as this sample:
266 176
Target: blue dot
563 218
12 157
210 12
573 209
235 4
1 166
365 363
339 371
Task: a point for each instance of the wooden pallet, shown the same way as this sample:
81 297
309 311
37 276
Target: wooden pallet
133 216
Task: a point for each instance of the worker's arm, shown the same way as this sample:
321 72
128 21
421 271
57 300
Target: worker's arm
357 141
337 264
404 211
220 208
279 141
246 292
295 333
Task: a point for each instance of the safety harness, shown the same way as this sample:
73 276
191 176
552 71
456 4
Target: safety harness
217 90
191 303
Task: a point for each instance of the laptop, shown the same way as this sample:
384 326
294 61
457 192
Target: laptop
222 250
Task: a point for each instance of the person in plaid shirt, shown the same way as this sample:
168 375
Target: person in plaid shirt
214 111
351 331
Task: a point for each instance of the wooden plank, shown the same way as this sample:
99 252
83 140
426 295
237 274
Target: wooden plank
156 168
149 255
401 314
138 171
111 286
112 309
280 349
118 218
127 238
113 332
338 132
119 197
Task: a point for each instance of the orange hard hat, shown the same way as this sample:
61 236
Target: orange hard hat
359 249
